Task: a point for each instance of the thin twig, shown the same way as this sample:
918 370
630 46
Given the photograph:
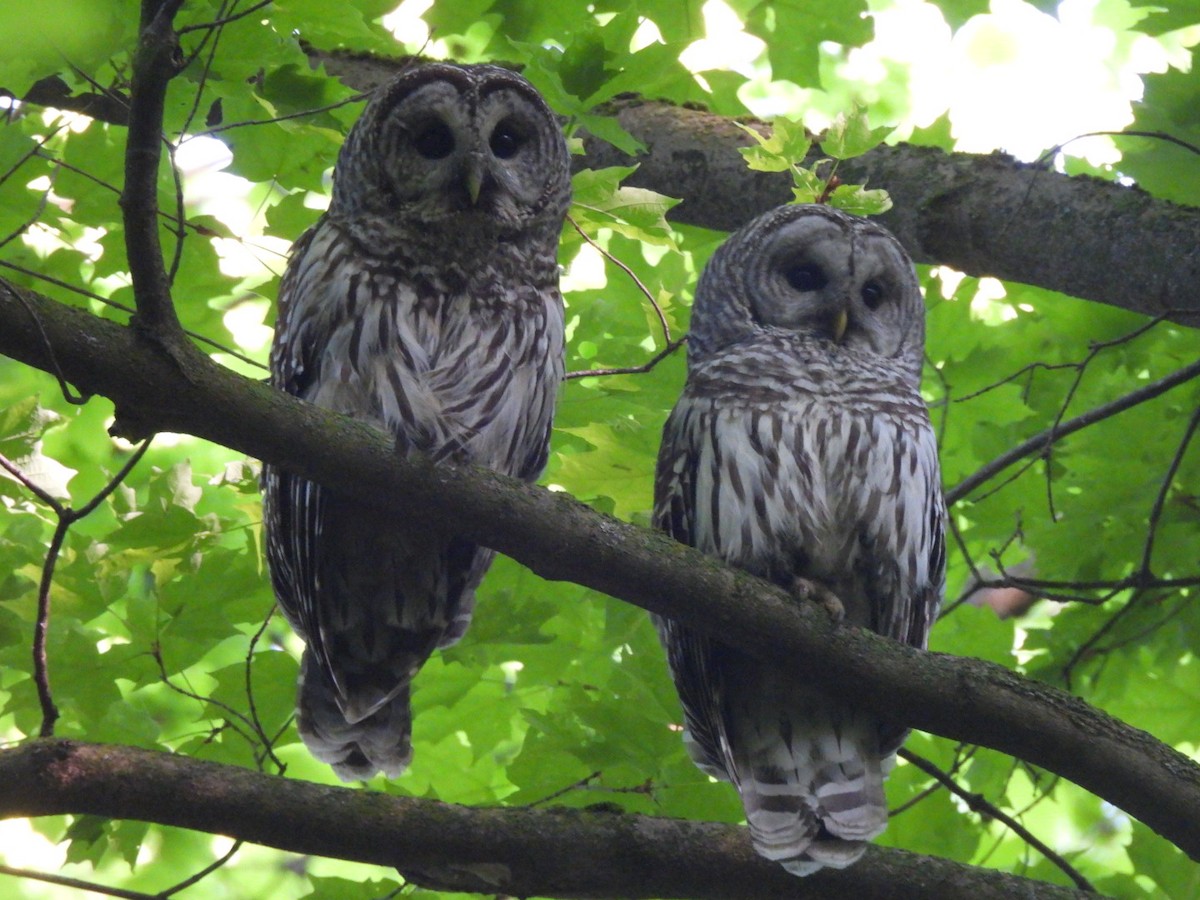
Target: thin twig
76 883
1082 651
1137 637
944 403
41 627
36 150
213 35
962 755
83 292
1094 348
1160 501
1041 441
156 653
633 370
33 219
63 385
581 783
113 482
355 98
203 230
978 804
1093 351
203 873
1156 135
1136 580
29 485
180 230
977 577
218 23
66 518
662 319
268 743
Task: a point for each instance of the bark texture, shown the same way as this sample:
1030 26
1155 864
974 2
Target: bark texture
983 215
515 852
561 539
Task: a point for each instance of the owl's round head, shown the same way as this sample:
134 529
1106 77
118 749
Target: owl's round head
815 271
453 151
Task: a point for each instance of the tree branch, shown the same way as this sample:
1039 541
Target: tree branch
561 539
980 805
983 215
154 65
1043 441
521 852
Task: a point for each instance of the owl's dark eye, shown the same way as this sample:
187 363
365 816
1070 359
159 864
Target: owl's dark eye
872 294
505 141
434 140
806 278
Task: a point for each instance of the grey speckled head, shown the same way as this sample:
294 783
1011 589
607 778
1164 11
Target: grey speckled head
817 271
444 149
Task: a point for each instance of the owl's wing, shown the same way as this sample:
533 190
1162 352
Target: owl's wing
902 537
905 543
293 507
691 656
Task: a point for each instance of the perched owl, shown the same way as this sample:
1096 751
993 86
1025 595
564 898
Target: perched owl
801 448
426 302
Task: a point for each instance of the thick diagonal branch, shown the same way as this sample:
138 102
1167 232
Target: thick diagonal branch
983 215
517 852
561 539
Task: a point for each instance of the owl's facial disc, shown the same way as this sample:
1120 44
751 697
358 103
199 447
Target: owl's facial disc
817 276
459 151
514 149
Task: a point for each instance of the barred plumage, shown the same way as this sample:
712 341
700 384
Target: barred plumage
801 448
426 302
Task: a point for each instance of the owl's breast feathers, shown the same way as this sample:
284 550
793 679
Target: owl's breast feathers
799 462
457 362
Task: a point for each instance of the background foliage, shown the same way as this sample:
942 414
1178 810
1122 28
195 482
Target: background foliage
162 634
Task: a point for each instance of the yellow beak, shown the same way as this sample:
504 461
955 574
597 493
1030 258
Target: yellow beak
474 182
839 326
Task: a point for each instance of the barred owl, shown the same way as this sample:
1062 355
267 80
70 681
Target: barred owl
426 302
801 448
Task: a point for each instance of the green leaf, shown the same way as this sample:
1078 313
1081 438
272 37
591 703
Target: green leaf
851 135
860 201
77 30
1177 877
88 838
23 425
600 201
786 146
808 186
779 24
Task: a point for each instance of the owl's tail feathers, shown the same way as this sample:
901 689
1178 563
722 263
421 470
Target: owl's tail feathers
357 746
849 795
825 852
810 813
786 828
782 826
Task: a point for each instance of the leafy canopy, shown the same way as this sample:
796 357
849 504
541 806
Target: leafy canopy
162 635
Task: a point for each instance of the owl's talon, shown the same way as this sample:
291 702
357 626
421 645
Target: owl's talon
812 592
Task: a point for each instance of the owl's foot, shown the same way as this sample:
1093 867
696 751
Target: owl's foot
814 592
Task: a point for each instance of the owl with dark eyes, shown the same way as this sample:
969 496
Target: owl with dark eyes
801 449
426 302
